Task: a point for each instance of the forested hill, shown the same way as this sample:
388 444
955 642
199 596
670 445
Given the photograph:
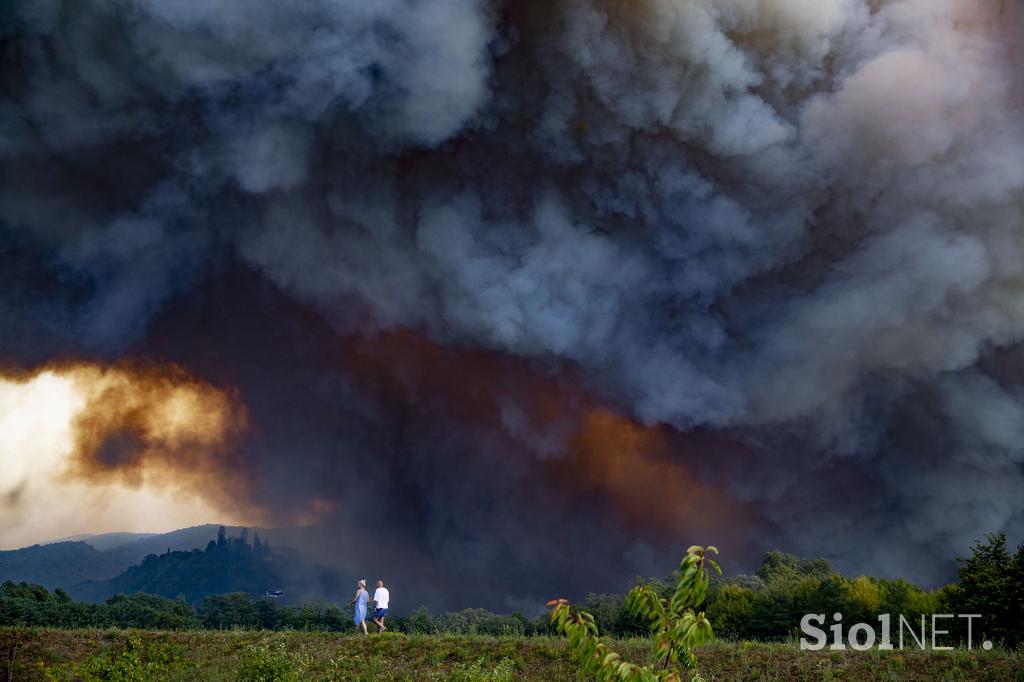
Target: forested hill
59 564
225 565
87 558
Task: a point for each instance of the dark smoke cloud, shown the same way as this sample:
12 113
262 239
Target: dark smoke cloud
425 240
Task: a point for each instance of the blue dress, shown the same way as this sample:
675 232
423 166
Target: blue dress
362 596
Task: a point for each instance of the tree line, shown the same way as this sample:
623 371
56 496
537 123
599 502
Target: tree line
765 606
28 605
768 605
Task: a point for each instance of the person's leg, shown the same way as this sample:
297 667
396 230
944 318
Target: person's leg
363 625
382 628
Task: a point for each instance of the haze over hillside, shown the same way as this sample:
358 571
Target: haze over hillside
242 563
65 563
103 541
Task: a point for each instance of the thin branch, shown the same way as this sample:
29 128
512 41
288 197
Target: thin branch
11 658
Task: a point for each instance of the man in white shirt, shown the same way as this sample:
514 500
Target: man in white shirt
381 597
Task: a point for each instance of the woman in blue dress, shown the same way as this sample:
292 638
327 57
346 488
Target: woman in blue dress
360 600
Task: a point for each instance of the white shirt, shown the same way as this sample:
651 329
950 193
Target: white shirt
381 596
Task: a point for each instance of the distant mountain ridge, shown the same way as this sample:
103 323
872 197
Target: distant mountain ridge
97 558
103 541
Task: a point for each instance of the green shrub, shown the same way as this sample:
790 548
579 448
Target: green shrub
420 621
263 662
125 666
478 671
129 663
676 624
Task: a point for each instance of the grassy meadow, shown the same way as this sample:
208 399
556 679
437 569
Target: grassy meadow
54 654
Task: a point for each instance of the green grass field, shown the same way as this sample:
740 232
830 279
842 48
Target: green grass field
47 654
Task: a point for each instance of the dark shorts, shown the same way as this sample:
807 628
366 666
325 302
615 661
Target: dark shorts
380 613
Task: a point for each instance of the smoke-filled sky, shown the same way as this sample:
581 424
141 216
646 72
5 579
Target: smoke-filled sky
516 298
